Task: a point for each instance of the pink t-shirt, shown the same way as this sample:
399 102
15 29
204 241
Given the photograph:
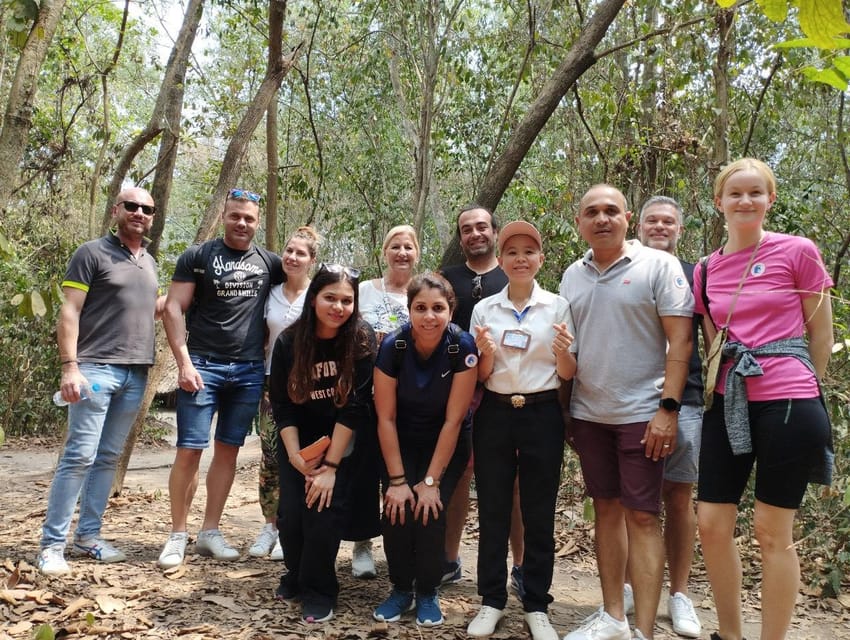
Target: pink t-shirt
786 269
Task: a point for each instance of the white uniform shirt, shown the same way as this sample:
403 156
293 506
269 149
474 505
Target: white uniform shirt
516 370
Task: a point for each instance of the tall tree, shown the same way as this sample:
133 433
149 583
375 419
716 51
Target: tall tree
17 119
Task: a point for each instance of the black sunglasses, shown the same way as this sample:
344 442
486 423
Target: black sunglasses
241 194
132 207
350 272
476 287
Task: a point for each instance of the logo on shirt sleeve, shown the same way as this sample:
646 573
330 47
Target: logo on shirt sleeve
680 282
470 361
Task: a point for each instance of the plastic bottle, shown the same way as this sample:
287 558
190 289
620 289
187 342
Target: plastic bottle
59 401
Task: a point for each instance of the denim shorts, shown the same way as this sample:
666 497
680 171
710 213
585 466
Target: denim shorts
683 464
233 389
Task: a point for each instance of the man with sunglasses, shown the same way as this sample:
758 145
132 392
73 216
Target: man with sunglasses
480 276
105 333
221 286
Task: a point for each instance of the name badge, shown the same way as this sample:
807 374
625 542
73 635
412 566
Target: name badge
516 339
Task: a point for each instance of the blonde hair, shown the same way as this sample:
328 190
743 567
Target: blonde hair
310 236
744 164
398 230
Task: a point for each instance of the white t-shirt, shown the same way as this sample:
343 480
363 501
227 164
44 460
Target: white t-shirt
280 313
383 311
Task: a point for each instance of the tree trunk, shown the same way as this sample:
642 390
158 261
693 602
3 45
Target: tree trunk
165 115
720 155
277 11
17 119
579 59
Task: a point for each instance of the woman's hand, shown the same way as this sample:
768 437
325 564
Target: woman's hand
320 487
305 467
427 502
395 502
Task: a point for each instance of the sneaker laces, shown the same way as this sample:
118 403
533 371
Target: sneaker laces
682 608
174 544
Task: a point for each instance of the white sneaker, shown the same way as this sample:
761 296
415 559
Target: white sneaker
485 622
638 635
265 541
628 599
685 620
97 549
174 550
362 562
601 626
211 542
539 626
277 552
51 560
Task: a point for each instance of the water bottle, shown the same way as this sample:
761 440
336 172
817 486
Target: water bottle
59 401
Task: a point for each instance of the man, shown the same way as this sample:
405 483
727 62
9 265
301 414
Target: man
660 226
221 286
106 345
479 277
632 311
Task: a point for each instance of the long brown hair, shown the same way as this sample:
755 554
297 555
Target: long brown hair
350 343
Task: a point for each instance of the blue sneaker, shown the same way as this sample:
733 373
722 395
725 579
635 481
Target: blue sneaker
428 612
452 572
391 609
517 585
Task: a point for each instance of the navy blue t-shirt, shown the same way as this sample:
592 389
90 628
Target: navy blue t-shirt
424 385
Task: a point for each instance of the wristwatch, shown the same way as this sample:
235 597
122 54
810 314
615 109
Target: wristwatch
431 482
670 404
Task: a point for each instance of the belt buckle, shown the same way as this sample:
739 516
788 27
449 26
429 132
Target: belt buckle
517 401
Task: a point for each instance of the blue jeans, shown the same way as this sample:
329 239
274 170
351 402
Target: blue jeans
97 430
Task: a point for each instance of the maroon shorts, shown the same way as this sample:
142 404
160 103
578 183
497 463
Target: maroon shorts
614 464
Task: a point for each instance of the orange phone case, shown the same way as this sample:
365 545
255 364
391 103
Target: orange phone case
315 449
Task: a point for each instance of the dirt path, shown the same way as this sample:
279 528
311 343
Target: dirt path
208 599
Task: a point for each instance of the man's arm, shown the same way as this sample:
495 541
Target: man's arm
67 334
660 436
180 296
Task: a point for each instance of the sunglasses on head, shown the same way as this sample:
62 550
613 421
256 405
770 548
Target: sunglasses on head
241 194
476 287
132 207
350 272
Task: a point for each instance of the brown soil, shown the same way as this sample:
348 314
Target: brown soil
209 599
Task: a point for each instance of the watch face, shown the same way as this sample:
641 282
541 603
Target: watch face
670 404
429 481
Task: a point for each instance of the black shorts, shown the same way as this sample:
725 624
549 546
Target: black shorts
788 438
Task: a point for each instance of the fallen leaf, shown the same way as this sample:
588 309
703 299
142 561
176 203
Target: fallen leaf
75 606
225 602
108 604
245 573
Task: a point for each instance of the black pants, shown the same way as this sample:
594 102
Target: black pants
530 442
310 538
415 552
366 464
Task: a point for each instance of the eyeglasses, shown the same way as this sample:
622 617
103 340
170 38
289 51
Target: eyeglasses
241 194
132 207
476 287
350 272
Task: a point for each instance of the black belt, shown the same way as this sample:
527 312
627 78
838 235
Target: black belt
520 400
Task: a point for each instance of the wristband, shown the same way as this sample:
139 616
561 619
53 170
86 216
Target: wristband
332 465
64 362
400 477
402 481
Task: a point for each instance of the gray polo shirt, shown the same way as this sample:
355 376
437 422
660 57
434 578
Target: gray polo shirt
117 318
620 344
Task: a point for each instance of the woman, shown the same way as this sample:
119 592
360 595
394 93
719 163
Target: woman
283 307
424 379
320 385
523 340
383 304
767 290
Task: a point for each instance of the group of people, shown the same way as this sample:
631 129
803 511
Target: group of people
383 396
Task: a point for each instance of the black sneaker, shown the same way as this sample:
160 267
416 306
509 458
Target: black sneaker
316 613
452 572
517 585
287 590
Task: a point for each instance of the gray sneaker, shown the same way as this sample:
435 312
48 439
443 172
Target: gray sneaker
97 548
212 543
